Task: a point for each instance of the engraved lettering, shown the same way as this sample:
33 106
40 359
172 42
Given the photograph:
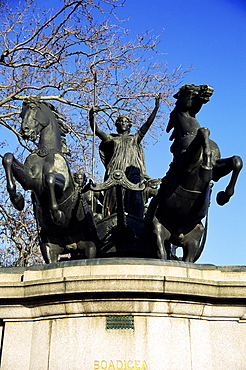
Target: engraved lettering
129 367
96 365
144 365
111 366
119 365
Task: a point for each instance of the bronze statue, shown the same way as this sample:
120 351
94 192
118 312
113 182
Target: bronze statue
123 151
75 217
62 213
93 198
183 198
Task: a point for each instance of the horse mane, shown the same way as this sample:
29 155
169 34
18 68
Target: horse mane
37 100
172 126
171 123
172 118
183 89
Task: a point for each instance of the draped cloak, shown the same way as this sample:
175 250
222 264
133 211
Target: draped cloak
124 152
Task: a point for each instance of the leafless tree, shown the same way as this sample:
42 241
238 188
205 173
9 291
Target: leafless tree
75 56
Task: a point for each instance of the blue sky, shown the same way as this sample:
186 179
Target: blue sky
210 36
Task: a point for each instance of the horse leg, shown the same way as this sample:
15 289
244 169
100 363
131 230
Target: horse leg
50 252
200 145
161 235
53 181
8 163
222 168
191 243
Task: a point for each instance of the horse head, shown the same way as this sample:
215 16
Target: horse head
190 97
36 114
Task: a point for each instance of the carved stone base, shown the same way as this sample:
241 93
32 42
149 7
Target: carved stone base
122 314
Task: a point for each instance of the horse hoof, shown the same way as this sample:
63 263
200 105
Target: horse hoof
222 198
18 201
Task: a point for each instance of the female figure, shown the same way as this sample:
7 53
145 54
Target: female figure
123 151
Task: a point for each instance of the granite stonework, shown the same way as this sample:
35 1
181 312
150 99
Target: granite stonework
123 314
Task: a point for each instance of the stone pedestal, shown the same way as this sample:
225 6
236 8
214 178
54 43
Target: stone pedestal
123 314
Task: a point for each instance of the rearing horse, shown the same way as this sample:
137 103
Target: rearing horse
184 195
64 218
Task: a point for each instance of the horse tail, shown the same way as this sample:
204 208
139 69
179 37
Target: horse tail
204 237
203 241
